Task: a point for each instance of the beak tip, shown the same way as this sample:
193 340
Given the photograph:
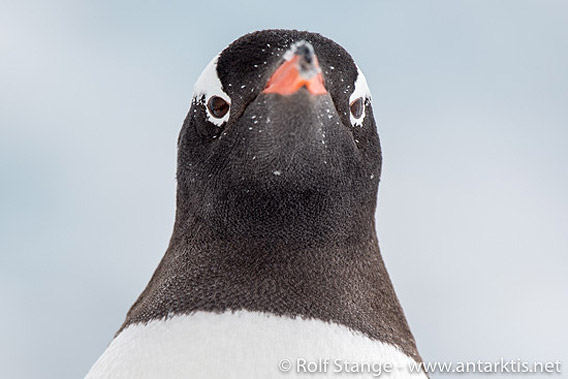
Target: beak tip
299 69
305 50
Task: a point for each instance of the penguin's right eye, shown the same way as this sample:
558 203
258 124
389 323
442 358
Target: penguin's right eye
217 106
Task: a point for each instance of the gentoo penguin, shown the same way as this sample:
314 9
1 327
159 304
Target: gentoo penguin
273 268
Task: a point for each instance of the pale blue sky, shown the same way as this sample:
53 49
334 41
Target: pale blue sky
471 102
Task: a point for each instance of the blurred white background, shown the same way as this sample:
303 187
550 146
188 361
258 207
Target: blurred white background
471 101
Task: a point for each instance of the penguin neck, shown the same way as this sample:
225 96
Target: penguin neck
290 258
279 220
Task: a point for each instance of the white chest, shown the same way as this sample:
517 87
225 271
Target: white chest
246 345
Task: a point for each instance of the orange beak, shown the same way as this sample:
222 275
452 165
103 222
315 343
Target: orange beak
293 75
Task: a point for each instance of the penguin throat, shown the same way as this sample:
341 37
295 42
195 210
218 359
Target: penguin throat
284 218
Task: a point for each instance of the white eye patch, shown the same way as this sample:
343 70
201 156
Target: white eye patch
361 90
208 85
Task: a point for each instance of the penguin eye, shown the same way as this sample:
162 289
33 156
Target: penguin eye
357 107
217 106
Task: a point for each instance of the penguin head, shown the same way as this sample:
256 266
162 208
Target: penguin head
280 140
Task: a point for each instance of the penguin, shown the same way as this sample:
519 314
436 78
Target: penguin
273 268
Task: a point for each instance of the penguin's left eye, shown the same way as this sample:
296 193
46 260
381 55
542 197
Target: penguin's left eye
356 107
217 106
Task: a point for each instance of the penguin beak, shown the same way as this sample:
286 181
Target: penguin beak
299 69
